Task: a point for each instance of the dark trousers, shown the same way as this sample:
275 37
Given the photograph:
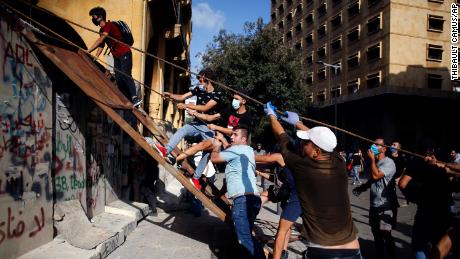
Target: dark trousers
125 82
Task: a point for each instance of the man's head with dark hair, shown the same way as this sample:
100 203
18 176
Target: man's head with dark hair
240 135
206 74
99 12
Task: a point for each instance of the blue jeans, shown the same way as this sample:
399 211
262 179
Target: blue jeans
244 213
355 171
192 129
123 66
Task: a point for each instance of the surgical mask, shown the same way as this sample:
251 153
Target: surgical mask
95 21
393 150
236 104
201 87
375 149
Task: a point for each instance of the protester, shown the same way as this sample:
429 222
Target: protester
322 187
383 208
241 187
357 163
237 115
454 156
427 185
208 101
122 55
291 207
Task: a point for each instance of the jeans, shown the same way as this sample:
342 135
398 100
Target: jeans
355 172
123 66
244 213
192 129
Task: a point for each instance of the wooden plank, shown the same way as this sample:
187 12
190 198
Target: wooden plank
69 63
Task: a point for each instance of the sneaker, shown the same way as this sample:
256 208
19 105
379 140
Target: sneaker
284 254
162 150
136 101
170 159
196 182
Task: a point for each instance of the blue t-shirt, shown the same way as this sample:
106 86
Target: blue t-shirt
240 170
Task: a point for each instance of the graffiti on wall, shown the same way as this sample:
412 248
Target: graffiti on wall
26 193
70 161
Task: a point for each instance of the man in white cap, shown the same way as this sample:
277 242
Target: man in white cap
322 186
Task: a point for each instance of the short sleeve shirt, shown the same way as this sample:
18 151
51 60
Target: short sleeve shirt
118 49
240 170
203 97
381 190
231 119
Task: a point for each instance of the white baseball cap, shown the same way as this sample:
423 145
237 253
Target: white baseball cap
323 137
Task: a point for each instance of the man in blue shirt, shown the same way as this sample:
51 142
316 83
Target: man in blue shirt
241 187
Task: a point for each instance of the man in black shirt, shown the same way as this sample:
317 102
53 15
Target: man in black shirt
427 186
326 214
208 101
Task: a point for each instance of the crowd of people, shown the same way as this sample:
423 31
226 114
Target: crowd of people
306 163
311 181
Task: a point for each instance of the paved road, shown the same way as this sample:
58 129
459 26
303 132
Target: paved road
181 235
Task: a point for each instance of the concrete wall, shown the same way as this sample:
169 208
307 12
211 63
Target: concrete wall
26 193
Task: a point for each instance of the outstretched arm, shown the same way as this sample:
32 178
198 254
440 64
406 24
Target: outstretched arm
97 44
177 97
270 159
200 108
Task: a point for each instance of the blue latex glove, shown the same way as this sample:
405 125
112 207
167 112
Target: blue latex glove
290 117
269 109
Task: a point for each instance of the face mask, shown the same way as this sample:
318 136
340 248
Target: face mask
201 87
375 149
236 104
393 150
95 21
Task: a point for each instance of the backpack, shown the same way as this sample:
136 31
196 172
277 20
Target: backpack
280 190
125 32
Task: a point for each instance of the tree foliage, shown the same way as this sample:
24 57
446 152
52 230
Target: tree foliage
258 64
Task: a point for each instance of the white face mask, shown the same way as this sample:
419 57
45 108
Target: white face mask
236 104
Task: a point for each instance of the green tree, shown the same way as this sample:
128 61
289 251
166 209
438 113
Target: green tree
258 64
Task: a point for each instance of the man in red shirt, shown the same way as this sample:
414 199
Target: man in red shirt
122 56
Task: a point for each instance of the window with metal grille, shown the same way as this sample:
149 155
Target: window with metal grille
309 39
374 24
298 28
373 52
309 19
353 34
336 91
322 9
321 52
310 59
336 71
373 80
321 96
434 81
336 44
353 86
298 10
273 16
336 21
353 9
289 18
281 25
321 73
336 2
322 31
435 23
310 78
289 36
434 52
372 2
353 60
298 46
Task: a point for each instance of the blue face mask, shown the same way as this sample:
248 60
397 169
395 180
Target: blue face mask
236 104
393 150
375 149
